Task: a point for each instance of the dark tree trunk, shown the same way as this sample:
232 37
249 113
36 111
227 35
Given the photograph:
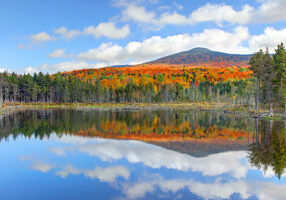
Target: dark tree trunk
257 93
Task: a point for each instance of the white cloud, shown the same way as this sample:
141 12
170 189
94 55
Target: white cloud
108 30
216 190
157 46
42 37
268 11
173 18
106 175
62 66
23 46
138 14
3 70
205 190
270 38
105 53
157 157
236 41
221 13
271 11
43 167
153 156
67 34
59 53
217 165
36 164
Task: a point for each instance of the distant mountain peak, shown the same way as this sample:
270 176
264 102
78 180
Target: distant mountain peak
199 50
200 56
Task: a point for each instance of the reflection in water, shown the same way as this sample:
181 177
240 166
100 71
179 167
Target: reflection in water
143 125
269 147
215 176
189 155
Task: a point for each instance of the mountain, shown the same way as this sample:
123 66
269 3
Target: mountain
199 148
120 66
203 57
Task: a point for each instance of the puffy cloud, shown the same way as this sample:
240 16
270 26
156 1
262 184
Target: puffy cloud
216 190
105 52
157 157
42 166
236 41
157 46
270 38
205 190
216 165
106 175
59 53
138 14
108 30
221 13
36 164
153 156
173 18
42 37
62 66
271 11
23 46
268 11
3 70
67 34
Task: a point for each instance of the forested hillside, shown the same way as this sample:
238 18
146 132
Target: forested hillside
204 57
129 84
261 84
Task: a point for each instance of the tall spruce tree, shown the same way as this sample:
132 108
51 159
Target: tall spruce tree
280 68
268 75
256 65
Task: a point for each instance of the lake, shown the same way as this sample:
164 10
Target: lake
140 154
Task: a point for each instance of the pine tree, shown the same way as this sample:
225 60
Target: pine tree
268 75
256 65
280 68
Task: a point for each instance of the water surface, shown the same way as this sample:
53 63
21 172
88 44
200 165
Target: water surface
74 154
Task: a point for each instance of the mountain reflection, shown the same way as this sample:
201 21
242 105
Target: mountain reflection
220 175
138 125
197 133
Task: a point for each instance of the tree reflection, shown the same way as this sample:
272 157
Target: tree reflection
139 125
269 147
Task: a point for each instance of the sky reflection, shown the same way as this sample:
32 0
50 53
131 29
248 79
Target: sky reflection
137 170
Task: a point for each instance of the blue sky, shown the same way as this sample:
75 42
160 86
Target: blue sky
127 169
62 35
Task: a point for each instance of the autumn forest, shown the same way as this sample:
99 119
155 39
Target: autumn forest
253 81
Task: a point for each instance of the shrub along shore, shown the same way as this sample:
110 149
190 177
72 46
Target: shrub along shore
219 107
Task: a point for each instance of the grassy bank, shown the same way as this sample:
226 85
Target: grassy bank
222 107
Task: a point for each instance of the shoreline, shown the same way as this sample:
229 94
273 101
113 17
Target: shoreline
238 110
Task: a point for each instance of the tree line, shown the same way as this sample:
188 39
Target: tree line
267 137
261 85
270 74
43 88
71 89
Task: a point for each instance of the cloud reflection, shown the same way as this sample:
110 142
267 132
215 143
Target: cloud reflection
216 165
106 175
157 157
261 190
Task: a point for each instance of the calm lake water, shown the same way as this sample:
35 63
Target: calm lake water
76 154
